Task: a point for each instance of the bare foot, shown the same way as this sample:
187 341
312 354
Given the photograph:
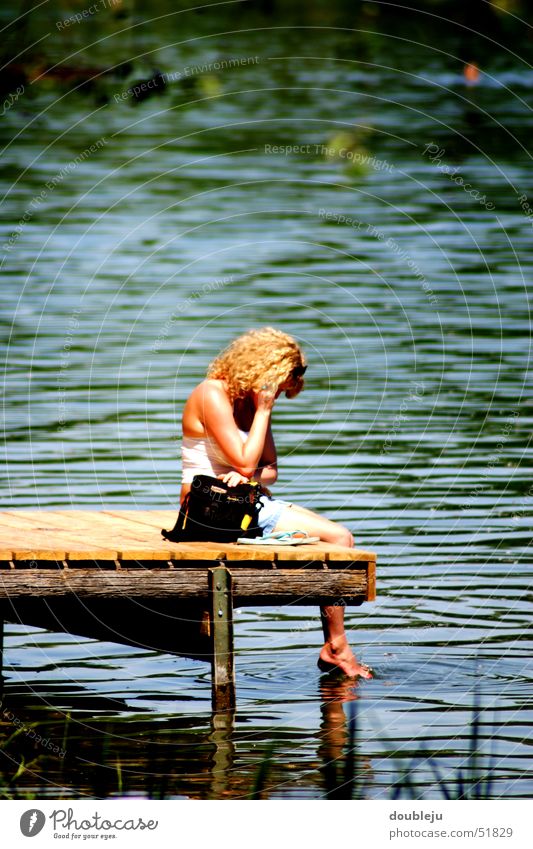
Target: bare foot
337 654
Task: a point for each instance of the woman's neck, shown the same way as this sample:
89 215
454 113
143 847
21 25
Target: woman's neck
244 412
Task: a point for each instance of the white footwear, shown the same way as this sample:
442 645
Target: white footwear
280 538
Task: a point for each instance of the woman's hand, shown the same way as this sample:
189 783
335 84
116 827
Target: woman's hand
233 478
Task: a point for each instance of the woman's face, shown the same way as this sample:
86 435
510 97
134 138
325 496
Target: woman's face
292 385
295 382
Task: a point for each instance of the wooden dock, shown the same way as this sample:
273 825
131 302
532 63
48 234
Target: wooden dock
111 575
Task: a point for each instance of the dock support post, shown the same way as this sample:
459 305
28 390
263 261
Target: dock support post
223 663
2 623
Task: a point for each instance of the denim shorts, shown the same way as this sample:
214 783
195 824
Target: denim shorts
270 511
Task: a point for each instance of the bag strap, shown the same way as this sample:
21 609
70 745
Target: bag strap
184 510
181 520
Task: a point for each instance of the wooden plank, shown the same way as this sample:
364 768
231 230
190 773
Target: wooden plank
340 552
153 518
132 524
46 520
137 554
36 555
299 586
197 550
75 522
8 520
232 552
293 585
153 560
24 565
167 519
229 551
371 581
32 537
101 523
85 544
319 551
95 583
37 542
83 530
94 538
15 519
136 535
27 540
223 665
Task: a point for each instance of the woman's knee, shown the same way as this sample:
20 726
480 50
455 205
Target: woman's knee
343 536
301 518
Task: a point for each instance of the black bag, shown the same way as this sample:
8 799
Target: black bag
215 512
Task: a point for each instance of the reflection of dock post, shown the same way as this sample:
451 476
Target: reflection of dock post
223 664
223 756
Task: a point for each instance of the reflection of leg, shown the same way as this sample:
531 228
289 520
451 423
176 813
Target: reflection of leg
333 737
334 690
336 652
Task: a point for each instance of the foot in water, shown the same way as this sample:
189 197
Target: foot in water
336 655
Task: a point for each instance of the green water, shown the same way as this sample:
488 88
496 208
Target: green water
186 223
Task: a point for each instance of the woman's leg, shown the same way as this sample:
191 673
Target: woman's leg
335 651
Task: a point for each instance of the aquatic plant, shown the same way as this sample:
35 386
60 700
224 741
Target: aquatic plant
469 782
344 779
262 773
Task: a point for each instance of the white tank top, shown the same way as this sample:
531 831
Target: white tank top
201 455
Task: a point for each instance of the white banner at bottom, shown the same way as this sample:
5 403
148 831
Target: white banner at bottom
136 822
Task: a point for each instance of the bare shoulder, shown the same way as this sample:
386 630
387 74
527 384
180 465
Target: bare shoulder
211 390
209 395
211 383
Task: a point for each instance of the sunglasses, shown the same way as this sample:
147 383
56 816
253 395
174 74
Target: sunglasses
298 371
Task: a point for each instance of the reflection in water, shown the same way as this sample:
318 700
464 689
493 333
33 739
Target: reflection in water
78 753
224 753
90 749
344 767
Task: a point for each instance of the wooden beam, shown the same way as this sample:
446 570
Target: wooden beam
371 581
250 586
223 675
168 625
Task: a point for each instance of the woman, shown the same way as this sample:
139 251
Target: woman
227 434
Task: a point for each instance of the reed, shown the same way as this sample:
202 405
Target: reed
470 781
344 779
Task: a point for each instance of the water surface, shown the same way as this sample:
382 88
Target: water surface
410 298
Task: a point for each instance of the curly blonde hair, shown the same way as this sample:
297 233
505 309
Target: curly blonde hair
257 357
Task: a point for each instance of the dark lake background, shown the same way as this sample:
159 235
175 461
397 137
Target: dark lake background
139 237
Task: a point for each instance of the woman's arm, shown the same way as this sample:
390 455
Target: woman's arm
267 469
217 416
